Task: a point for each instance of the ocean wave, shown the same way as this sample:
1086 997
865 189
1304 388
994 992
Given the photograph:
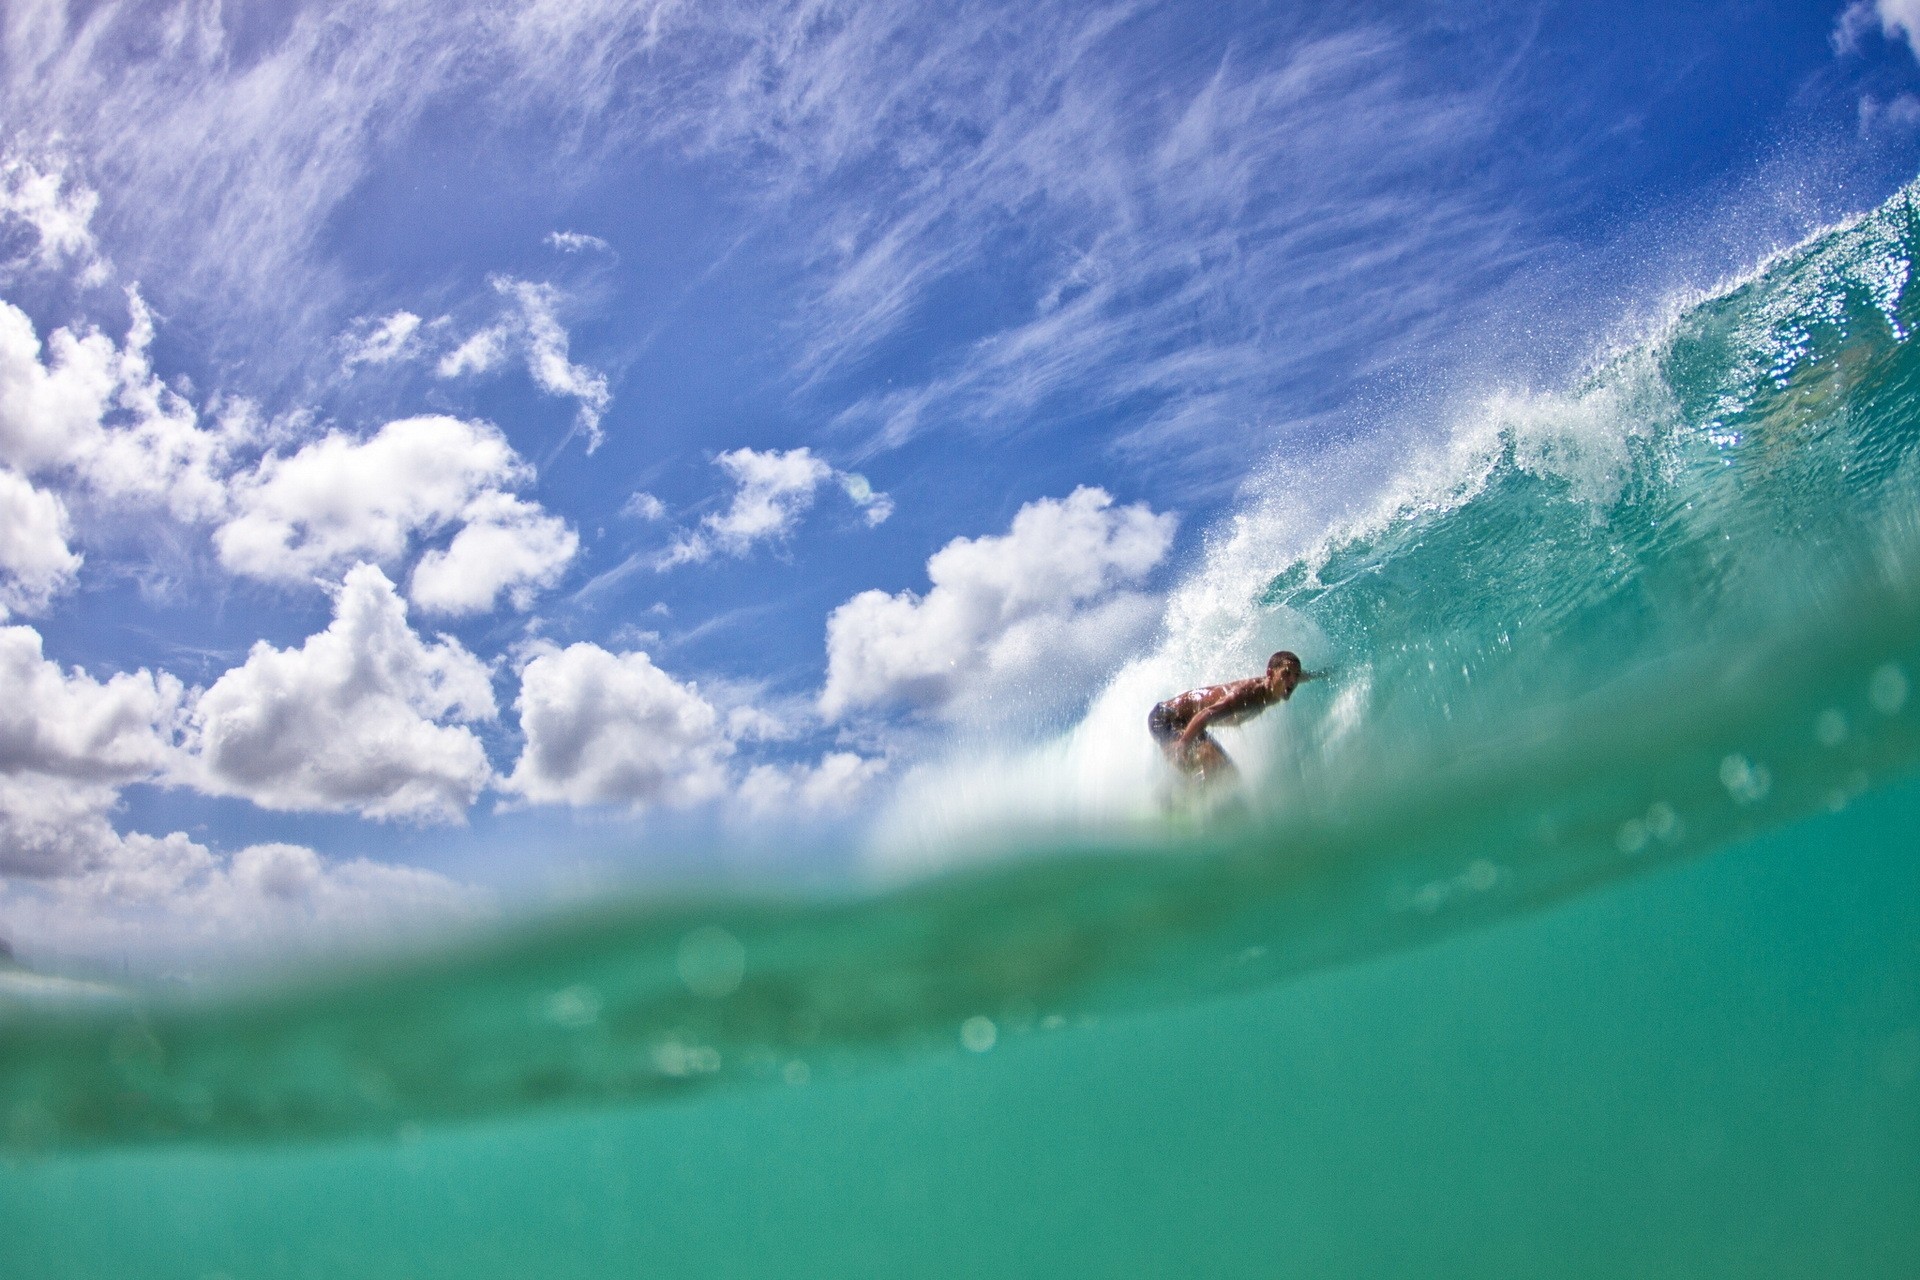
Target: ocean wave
1584 633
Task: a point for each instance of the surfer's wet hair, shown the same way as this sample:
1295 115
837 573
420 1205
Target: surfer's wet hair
1284 658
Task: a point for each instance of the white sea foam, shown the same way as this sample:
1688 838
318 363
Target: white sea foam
1101 775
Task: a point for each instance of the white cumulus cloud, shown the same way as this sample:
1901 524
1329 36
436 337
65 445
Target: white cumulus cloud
772 490
89 412
36 563
507 545
364 717
86 408
1021 622
66 724
341 499
67 742
608 728
70 881
53 398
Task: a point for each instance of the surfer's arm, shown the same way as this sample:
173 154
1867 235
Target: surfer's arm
1195 727
1228 701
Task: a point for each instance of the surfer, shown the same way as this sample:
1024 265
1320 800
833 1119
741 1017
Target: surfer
1180 723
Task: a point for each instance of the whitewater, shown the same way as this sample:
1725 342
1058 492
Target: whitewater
1578 638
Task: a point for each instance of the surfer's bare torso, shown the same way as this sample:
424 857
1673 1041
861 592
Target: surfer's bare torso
1180 724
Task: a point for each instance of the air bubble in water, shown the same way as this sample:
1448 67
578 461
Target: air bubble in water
1745 781
574 1008
1887 689
978 1033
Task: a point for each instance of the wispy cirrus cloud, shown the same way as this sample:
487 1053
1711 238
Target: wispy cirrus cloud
54 213
1175 242
222 140
386 340
530 328
577 242
1895 19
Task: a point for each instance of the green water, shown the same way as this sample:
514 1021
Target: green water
1710 1071
1571 929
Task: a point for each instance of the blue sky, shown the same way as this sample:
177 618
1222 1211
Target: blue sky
452 453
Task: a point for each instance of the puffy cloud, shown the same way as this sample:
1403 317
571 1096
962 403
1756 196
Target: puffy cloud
506 545
156 451
53 829
57 214
69 725
533 330
772 490
71 881
612 728
342 499
51 399
833 785
350 720
382 341
35 562
1019 622
349 890
82 405
67 742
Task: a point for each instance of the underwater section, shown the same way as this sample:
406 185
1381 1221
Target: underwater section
1711 1070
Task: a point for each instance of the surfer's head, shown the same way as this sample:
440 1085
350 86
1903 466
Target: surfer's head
1283 671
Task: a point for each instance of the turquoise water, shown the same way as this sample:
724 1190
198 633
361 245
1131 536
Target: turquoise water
1713 1070
1572 928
